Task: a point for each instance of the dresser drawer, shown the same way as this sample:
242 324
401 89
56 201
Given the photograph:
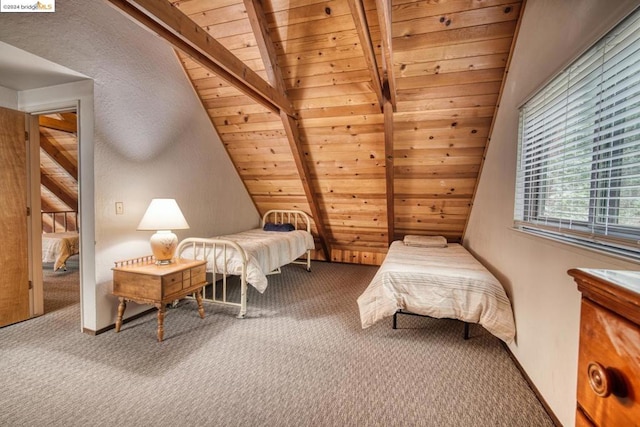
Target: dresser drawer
582 420
608 367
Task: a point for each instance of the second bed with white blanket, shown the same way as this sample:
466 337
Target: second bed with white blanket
253 254
441 282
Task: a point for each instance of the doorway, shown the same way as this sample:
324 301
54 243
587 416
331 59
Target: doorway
35 86
60 219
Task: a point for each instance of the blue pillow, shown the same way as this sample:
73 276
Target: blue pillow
272 226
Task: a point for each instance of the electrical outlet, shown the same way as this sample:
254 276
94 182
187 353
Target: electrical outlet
119 208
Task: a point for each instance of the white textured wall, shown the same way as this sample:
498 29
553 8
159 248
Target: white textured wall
8 98
545 300
152 137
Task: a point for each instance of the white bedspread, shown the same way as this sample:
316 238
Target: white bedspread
58 247
437 282
266 251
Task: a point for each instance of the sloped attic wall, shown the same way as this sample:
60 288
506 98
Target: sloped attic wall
375 176
545 299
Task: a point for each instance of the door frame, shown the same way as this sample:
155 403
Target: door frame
78 96
35 229
36 294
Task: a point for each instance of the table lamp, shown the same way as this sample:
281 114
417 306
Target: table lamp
163 215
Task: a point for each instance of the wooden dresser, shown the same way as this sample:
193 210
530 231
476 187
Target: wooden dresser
609 357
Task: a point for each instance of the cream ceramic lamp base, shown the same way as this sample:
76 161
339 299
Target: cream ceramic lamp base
163 246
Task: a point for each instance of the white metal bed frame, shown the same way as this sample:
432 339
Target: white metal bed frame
214 247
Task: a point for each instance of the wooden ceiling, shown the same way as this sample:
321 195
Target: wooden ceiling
371 115
59 170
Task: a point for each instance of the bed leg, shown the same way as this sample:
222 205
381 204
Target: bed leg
243 296
466 331
395 320
309 261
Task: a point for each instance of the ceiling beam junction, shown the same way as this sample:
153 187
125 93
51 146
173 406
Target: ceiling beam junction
170 23
362 28
383 8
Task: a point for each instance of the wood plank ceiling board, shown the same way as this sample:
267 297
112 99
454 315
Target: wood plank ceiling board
329 81
256 142
254 138
260 27
449 61
371 175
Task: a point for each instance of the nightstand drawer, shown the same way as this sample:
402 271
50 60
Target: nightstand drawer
173 288
171 279
198 274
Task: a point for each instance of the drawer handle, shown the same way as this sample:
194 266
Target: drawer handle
599 379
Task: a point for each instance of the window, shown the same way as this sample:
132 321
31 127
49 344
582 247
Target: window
578 175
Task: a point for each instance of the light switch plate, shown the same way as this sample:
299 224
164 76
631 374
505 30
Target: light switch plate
119 208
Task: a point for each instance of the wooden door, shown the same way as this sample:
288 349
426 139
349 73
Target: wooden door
14 260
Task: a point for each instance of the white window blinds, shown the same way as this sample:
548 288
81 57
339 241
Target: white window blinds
578 175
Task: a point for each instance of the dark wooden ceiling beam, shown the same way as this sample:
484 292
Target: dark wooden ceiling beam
293 135
170 23
258 21
67 124
70 200
384 17
53 150
362 27
389 172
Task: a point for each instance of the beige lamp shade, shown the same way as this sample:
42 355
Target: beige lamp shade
163 215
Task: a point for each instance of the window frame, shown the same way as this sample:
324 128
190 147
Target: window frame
532 195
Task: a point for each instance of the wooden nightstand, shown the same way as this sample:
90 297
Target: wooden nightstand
142 281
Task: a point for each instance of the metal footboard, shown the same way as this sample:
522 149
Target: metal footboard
204 249
300 221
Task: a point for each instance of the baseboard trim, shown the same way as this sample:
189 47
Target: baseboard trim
532 386
113 325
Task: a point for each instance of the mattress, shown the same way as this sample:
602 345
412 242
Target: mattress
266 251
438 282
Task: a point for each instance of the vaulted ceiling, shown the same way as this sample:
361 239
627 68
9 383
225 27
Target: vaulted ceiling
371 115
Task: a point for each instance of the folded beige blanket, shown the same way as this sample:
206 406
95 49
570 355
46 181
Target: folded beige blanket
425 241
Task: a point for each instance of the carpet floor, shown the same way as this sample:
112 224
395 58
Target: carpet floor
300 358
